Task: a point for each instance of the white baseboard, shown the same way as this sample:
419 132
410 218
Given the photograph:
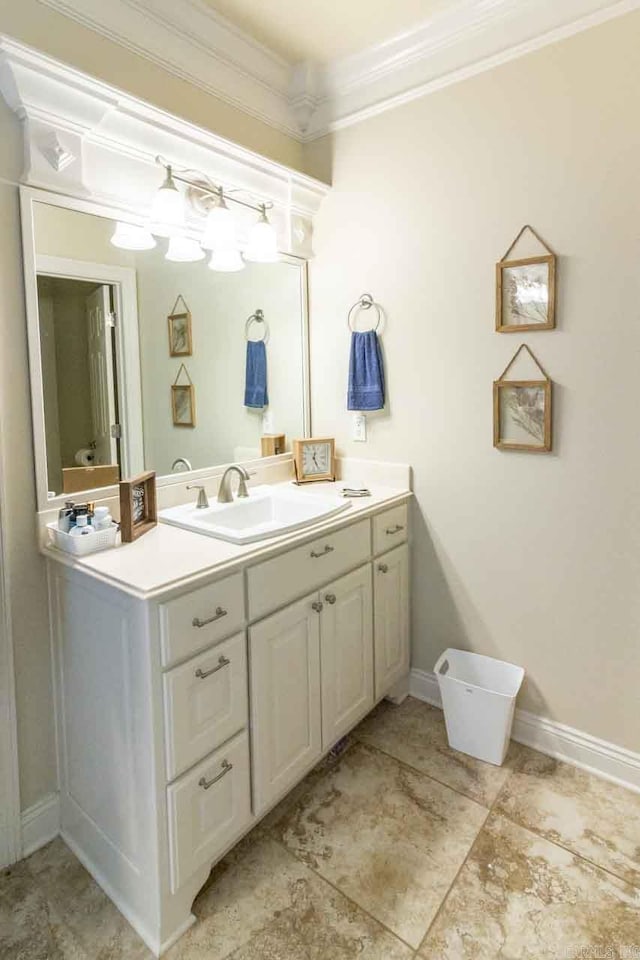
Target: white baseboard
556 740
40 823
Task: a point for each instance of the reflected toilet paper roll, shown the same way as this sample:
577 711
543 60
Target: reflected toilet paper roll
85 457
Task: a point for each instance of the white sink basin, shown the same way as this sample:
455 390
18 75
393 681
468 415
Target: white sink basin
266 512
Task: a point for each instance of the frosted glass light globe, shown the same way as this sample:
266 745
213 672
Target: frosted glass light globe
127 236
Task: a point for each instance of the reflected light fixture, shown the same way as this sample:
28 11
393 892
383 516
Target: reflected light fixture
263 241
167 210
184 250
127 236
220 228
226 261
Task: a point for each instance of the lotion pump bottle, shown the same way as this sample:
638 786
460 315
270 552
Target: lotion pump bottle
82 527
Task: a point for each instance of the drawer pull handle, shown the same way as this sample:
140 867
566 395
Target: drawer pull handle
220 612
205 784
323 552
330 597
398 527
383 568
222 662
317 605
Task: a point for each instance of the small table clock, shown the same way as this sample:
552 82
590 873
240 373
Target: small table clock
314 459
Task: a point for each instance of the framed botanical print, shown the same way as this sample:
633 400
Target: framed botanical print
183 405
180 344
526 290
522 415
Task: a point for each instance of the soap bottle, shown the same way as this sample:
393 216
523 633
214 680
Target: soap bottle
102 519
82 527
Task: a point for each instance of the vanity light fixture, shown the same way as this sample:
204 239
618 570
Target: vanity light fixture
226 261
220 232
263 242
220 229
127 236
167 210
184 250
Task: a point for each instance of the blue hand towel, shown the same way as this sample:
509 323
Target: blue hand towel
255 389
366 372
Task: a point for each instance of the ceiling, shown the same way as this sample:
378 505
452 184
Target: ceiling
322 30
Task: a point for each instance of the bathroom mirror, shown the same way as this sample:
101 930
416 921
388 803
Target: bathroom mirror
140 363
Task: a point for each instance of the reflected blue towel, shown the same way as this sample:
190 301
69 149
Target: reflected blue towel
366 372
255 386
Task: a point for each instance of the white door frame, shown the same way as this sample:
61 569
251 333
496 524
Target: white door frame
10 832
123 281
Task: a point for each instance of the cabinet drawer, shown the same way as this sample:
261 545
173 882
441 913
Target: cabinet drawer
208 808
390 528
275 582
205 703
200 618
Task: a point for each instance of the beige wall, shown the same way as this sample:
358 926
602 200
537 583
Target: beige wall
27 584
531 558
37 25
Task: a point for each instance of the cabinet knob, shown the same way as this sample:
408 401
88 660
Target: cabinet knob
317 605
383 568
330 597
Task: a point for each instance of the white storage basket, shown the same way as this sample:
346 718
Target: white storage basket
81 546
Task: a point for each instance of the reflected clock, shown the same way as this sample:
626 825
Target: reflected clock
314 459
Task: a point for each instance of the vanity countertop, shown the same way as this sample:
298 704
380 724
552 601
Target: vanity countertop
169 558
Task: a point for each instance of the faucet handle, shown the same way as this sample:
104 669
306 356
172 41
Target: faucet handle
203 502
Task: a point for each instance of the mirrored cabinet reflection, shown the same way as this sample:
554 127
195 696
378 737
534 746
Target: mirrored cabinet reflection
102 382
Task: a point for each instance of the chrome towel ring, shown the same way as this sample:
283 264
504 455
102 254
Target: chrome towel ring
257 317
365 302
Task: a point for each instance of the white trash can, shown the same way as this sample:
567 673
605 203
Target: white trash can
479 699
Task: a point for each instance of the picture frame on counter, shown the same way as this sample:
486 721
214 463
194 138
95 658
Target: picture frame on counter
138 506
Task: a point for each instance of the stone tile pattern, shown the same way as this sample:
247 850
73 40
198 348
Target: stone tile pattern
399 848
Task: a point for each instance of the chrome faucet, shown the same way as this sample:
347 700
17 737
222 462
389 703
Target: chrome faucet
202 503
224 490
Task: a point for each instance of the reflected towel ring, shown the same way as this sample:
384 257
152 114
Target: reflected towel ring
257 317
365 302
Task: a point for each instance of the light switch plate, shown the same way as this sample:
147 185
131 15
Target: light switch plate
359 428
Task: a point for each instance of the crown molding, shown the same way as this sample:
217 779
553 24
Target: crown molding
459 42
308 100
84 138
191 41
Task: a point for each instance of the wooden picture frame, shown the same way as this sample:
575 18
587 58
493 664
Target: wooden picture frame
522 420
526 294
138 506
183 405
180 342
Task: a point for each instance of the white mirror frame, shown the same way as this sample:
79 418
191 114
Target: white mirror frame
127 346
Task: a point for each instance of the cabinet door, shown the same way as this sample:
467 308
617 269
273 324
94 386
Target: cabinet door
285 699
391 613
346 650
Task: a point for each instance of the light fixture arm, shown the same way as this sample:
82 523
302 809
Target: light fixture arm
211 189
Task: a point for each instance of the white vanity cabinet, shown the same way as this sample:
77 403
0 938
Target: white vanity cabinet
184 715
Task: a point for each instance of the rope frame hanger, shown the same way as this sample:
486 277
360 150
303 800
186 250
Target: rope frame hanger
523 346
184 304
526 227
182 369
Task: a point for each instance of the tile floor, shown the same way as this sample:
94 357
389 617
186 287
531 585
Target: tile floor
399 849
